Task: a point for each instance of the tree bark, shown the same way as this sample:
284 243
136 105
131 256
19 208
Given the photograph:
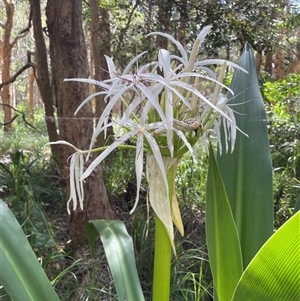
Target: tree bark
31 79
100 47
43 77
7 52
294 67
69 60
278 70
258 61
268 62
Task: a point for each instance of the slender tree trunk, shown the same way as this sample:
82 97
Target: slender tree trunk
163 16
295 65
7 51
43 77
268 62
278 70
183 24
100 47
258 61
31 94
68 54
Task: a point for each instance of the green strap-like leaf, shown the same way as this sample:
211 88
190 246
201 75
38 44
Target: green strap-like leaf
119 252
20 272
247 172
222 239
274 273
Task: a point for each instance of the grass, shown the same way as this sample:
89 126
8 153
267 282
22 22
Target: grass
30 184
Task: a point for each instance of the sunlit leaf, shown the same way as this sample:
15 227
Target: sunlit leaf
222 239
20 272
274 273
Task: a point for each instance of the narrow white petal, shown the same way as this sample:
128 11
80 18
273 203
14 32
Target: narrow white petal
193 74
196 92
219 62
73 194
164 62
153 100
178 45
81 189
105 114
139 163
188 145
65 143
207 71
135 59
88 99
106 152
201 36
169 109
111 67
102 84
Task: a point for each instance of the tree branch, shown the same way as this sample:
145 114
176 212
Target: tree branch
19 37
29 22
124 30
17 111
14 77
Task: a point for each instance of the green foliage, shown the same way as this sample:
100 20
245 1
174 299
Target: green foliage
273 272
283 98
21 135
20 272
190 181
283 113
120 162
26 186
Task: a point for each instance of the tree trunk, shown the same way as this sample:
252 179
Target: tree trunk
69 60
31 94
278 70
269 61
42 76
294 67
6 51
183 19
99 27
258 61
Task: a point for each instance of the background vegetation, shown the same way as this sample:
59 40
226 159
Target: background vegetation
30 179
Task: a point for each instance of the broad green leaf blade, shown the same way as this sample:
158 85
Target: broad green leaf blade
20 272
119 252
247 171
222 239
274 273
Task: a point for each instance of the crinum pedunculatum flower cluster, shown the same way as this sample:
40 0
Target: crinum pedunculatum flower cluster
167 115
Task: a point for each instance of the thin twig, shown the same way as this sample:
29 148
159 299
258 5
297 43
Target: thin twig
14 77
17 111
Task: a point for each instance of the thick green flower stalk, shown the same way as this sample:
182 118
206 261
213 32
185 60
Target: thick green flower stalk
165 119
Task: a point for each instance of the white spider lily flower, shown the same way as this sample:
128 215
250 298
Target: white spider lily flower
166 117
